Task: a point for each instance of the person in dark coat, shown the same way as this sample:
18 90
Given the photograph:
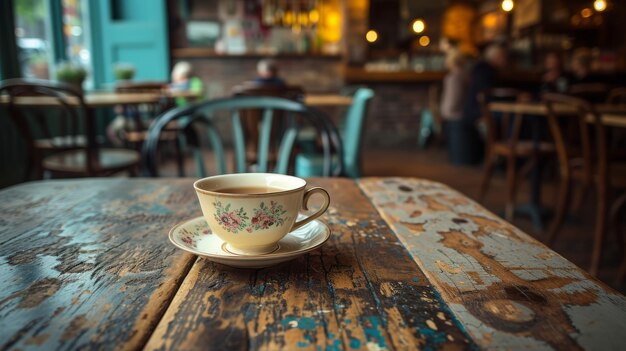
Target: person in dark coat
467 144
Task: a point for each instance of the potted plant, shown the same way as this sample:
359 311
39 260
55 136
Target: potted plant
124 71
72 74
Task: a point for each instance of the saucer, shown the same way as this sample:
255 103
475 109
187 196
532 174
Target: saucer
194 236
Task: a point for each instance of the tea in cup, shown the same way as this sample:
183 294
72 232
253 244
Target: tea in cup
251 212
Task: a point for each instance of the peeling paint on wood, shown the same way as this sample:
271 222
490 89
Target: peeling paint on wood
85 264
508 290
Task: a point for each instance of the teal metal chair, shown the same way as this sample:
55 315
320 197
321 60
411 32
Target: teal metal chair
311 164
209 113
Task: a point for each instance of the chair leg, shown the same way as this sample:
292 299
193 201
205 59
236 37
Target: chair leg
180 162
614 221
510 188
579 196
614 225
561 209
598 239
490 164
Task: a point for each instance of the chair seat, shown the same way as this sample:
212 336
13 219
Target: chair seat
523 148
61 143
74 161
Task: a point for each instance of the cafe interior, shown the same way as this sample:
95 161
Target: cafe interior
479 145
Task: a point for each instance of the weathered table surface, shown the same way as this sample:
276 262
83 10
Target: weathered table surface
86 264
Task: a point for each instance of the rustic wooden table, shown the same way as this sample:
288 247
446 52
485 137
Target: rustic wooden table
86 264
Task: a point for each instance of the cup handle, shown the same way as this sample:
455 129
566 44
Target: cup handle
305 200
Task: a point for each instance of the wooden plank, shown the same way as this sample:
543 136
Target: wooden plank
86 264
507 289
360 291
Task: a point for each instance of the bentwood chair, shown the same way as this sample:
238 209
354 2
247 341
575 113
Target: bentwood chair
207 116
251 118
49 116
310 164
504 139
585 164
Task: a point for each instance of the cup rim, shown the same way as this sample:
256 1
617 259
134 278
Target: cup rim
217 193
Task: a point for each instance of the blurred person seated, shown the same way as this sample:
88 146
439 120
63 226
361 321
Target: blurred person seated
183 79
267 71
554 78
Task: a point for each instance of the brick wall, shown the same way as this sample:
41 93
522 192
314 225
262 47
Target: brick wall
394 113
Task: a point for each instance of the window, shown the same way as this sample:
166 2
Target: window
33 38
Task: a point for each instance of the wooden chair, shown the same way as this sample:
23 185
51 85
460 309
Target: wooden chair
503 140
294 115
586 164
68 152
251 118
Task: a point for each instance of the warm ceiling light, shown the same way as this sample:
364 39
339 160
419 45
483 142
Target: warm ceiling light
371 36
418 26
507 5
424 40
586 12
599 5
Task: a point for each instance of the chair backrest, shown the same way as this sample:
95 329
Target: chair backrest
502 130
584 115
251 117
353 130
39 96
207 113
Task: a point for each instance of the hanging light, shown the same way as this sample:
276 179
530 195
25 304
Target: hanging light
586 12
424 40
599 5
507 5
371 36
418 26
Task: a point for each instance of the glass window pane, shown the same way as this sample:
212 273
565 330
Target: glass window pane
32 34
74 30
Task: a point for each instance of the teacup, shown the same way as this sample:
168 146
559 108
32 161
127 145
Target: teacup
251 212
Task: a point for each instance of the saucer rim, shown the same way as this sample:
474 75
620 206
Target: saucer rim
170 235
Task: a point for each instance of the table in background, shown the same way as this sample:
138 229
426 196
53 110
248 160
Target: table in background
411 263
318 100
612 115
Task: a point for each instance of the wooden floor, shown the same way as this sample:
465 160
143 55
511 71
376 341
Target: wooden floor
575 240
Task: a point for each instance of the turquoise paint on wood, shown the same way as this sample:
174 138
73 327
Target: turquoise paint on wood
129 31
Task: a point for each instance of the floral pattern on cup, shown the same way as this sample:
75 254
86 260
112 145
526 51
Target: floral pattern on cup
267 216
232 221
190 237
236 220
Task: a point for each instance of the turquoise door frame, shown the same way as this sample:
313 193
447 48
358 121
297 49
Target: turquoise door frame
129 31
